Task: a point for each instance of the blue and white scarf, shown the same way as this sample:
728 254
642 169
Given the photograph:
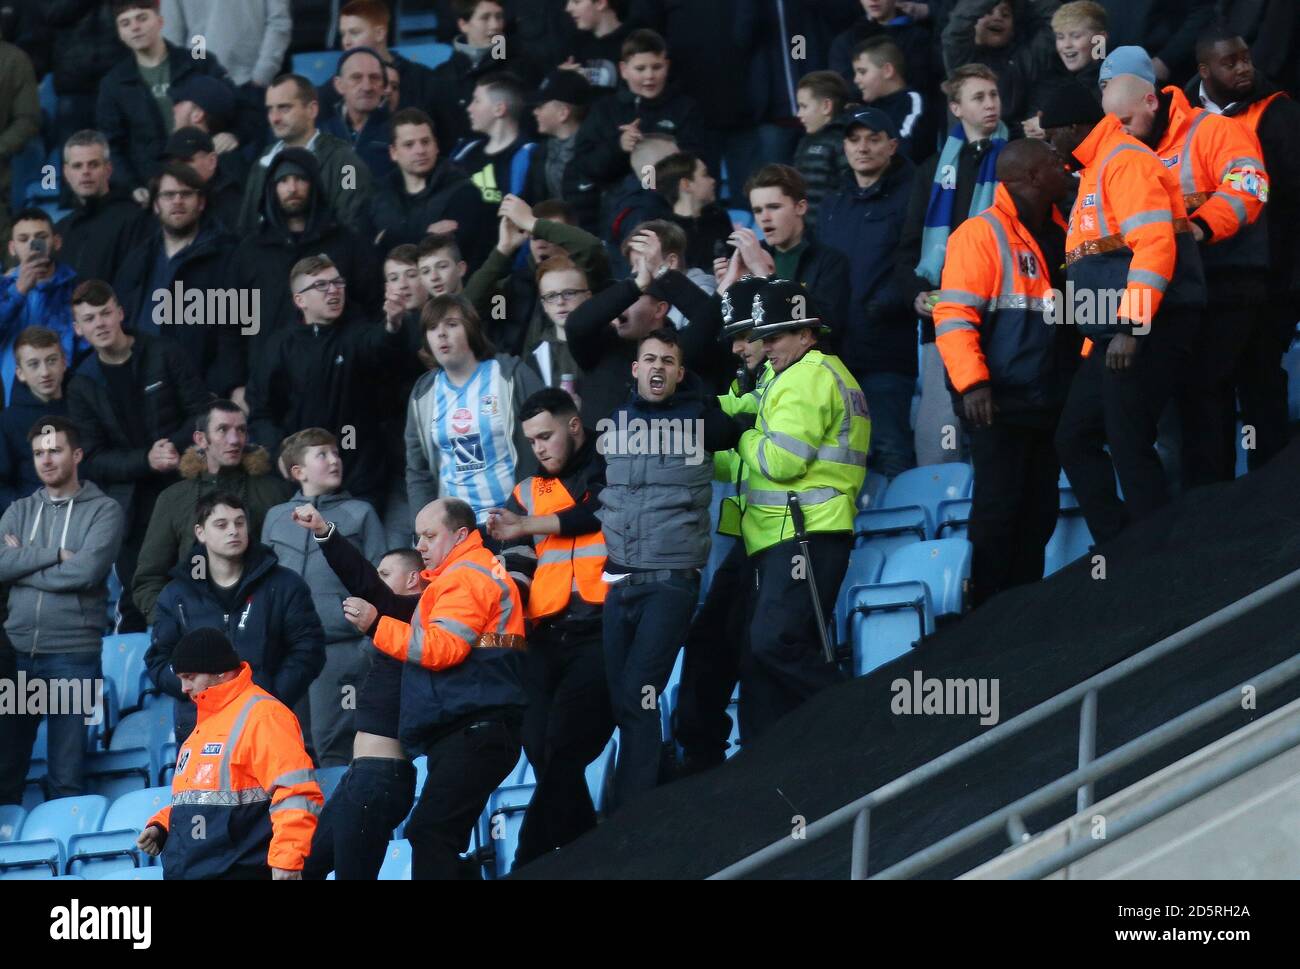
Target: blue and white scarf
943 193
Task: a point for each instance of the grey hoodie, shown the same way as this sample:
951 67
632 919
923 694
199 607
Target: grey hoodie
59 607
299 552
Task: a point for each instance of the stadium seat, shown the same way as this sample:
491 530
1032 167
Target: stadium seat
886 529
421 765
502 819
397 862
733 711
132 811
123 659
741 217
926 486
413 24
48 829
34 793
865 565
1067 498
328 778
873 490
429 54
919 582
669 696
134 755
317 66
1069 541
95 854
600 772
954 518
11 821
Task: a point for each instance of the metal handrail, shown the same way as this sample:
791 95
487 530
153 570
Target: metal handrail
1080 779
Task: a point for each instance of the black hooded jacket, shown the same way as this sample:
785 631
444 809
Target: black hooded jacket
99 233
448 194
263 260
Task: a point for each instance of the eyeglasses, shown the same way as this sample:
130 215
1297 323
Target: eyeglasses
565 295
181 193
322 285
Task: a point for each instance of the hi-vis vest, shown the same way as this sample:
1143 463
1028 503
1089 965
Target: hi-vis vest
991 323
1221 174
566 565
811 438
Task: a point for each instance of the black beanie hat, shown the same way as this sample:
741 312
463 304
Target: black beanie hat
205 650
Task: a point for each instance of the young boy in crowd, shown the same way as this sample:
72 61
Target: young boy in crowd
819 158
441 266
879 72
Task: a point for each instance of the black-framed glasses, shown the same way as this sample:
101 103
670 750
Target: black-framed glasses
562 295
321 285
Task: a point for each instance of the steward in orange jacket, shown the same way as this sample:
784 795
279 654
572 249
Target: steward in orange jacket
462 687
1010 355
244 798
554 546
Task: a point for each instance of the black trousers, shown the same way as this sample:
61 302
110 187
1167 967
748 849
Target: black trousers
1208 401
1013 506
566 726
465 767
711 666
1121 409
1261 383
784 665
353 831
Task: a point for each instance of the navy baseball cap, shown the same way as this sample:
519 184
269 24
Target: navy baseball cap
872 119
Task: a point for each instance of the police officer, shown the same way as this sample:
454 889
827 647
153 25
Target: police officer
1010 365
810 438
244 798
715 641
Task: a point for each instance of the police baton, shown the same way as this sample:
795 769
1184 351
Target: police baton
801 536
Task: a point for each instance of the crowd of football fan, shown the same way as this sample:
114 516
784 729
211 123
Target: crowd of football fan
392 406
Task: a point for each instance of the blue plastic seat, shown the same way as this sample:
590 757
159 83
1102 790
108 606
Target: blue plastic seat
503 818
328 778
123 659
132 811
742 217
11 821
317 66
733 711
865 566
49 827
429 54
668 698
95 854
421 765
1069 541
887 529
417 23
954 518
135 752
873 490
926 486
397 862
600 773
918 583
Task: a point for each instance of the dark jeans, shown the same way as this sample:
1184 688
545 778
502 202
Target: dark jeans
644 625
1122 409
889 402
1013 506
1261 381
711 666
465 767
353 831
567 724
785 665
1207 402
66 733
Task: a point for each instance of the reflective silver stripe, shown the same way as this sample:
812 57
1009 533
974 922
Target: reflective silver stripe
556 556
506 606
786 442
223 774
1103 226
1018 301
522 551
458 629
1150 217
1238 207
290 778
250 795
949 326
846 402
777 499
415 643
1004 255
1145 276
762 460
841 455
526 495
297 802
1186 172
963 298
1247 162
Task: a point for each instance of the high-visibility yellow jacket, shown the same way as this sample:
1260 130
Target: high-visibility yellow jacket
727 465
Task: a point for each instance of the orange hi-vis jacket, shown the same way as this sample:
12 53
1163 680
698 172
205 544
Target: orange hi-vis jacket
566 565
245 794
1220 169
993 321
1129 237
463 651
